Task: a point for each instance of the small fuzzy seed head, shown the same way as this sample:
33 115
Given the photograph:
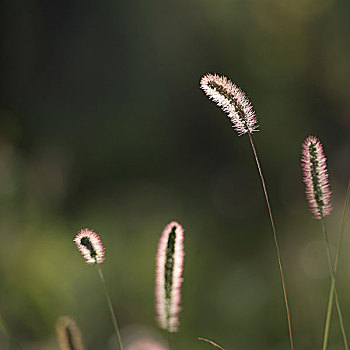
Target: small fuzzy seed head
68 334
232 101
90 246
169 269
315 178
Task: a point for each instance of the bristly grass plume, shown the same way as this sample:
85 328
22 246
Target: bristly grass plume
316 177
232 101
68 334
236 105
90 246
169 269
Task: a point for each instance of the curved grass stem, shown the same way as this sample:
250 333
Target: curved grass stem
276 243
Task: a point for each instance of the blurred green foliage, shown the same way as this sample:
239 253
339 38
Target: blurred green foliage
103 125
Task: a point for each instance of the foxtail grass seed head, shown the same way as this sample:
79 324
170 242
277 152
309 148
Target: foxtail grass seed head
90 246
169 269
232 101
315 178
68 334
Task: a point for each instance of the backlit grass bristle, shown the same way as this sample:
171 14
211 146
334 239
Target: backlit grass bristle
90 246
169 276
232 101
315 178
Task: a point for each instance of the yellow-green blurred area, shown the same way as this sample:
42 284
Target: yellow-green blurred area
103 125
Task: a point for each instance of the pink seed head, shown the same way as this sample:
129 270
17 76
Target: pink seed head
90 246
232 101
314 166
169 269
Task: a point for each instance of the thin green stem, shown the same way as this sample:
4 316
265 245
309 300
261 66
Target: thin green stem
342 226
170 340
333 273
276 243
110 306
333 292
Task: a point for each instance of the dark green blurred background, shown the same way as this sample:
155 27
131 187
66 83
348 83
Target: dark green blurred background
103 125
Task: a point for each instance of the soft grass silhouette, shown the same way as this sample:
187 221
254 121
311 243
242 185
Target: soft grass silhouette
238 108
68 334
4 332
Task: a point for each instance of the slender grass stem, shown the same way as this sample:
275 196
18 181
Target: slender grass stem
170 340
333 291
110 306
276 243
342 226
